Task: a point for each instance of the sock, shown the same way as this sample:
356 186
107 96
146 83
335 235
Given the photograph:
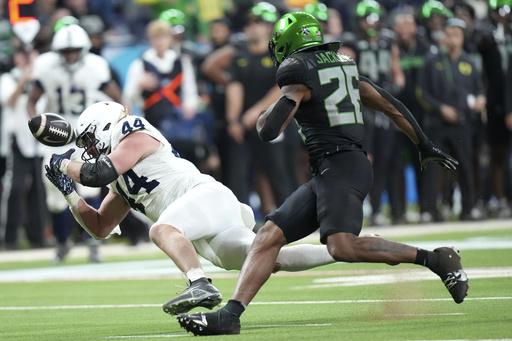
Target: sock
421 257
235 307
194 274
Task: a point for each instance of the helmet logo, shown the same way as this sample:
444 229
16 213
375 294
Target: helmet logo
306 31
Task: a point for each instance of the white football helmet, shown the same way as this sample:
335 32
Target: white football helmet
95 126
71 37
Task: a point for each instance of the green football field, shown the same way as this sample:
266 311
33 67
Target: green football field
335 302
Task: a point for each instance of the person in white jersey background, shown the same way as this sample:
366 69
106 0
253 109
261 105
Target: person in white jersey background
69 79
192 212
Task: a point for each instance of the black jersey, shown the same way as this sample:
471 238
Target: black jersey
256 72
331 120
495 47
374 60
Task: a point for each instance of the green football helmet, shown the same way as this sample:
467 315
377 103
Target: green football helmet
435 7
367 7
265 12
318 10
65 21
173 16
294 31
496 4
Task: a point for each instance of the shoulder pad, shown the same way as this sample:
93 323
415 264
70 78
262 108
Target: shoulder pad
125 127
293 70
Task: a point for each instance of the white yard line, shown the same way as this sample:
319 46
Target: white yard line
124 306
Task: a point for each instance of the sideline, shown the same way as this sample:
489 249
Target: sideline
144 249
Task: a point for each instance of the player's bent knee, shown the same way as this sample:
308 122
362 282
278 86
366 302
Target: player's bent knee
341 247
269 236
157 231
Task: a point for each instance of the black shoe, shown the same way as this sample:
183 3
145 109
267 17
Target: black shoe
221 322
200 293
450 270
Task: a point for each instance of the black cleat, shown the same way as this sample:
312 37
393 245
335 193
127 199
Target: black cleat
449 268
221 322
200 293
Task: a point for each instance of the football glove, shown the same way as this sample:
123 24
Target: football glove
430 153
63 182
57 159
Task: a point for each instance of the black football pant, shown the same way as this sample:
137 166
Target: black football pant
455 140
270 158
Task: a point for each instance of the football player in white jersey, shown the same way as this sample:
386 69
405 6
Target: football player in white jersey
71 79
191 211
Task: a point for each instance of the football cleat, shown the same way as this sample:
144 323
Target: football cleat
62 251
200 293
221 322
449 268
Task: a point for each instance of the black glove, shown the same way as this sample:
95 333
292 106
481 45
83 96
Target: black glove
63 182
430 153
57 159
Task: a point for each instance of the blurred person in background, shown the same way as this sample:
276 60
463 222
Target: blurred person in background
496 48
412 50
473 37
433 19
377 57
70 78
220 37
250 90
218 68
197 145
451 91
215 69
162 85
23 181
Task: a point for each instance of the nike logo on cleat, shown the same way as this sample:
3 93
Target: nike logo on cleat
203 322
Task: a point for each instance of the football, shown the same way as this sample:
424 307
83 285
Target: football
51 129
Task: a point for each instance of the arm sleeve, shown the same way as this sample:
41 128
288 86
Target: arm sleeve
422 138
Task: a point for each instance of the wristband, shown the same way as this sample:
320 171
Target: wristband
63 168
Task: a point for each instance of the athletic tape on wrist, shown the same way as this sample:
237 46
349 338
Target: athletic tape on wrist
63 168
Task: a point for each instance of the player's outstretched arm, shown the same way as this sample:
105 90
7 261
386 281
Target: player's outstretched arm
100 223
377 98
275 119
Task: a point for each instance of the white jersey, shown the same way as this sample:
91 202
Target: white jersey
70 91
159 179
14 118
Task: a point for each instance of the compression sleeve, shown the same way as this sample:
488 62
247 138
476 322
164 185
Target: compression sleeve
276 117
422 138
98 174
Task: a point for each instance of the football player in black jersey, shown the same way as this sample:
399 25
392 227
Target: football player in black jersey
323 91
